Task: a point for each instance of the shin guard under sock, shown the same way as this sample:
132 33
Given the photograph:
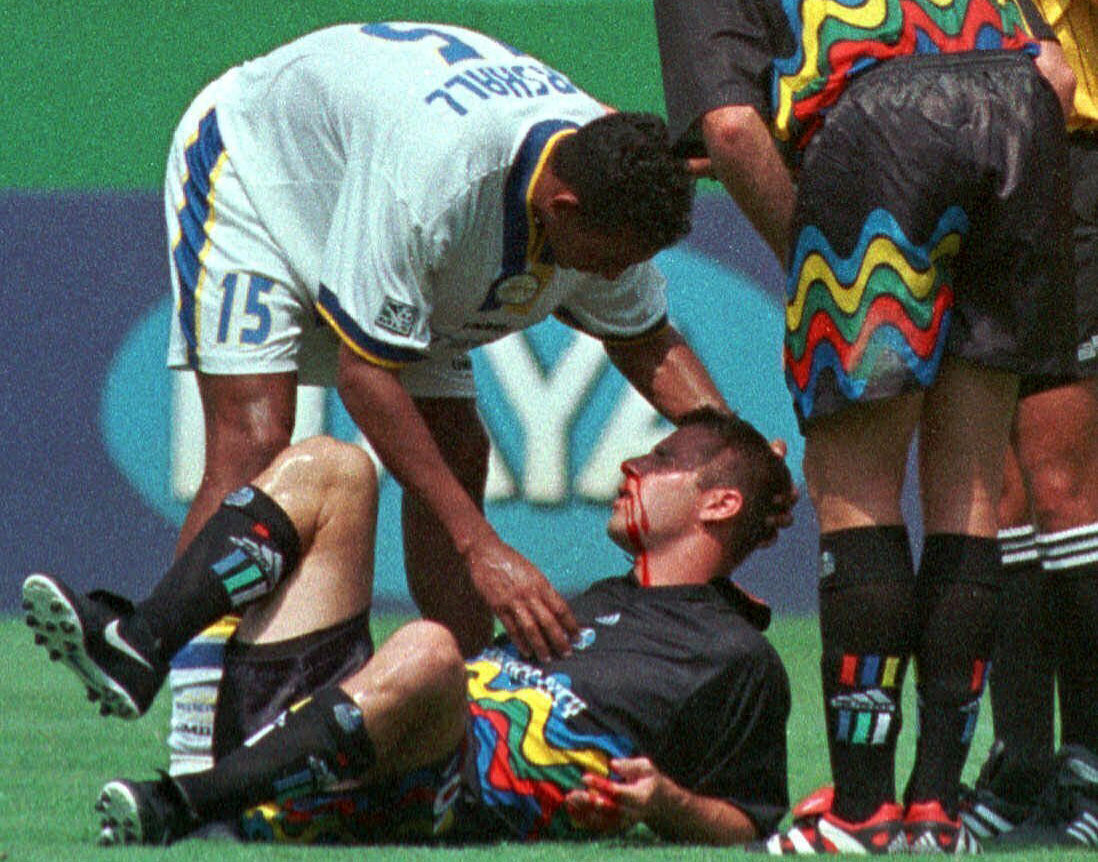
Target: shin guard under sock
957 585
1070 558
240 555
1022 680
866 588
308 749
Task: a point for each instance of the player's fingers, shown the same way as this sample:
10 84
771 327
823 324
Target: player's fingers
514 631
601 785
559 640
528 624
560 612
632 768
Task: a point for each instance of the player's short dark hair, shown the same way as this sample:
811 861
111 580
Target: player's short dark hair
747 463
626 178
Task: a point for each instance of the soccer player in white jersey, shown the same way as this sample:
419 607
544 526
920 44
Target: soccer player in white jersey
365 205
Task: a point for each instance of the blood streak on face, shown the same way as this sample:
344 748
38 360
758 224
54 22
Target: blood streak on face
636 524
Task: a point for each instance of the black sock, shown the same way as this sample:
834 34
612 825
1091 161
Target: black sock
307 749
1022 680
866 589
957 585
1069 559
241 553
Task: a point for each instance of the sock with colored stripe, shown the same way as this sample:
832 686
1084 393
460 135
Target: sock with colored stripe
1070 558
1022 680
308 749
866 594
240 555
956 593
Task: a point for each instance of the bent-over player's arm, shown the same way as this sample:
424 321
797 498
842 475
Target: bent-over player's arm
643 794
664 369
744 158
1054 66
535 616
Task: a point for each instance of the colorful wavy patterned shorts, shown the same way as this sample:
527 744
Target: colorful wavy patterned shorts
419 807
930 220
532 743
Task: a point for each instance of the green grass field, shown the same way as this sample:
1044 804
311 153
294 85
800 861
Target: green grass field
56 752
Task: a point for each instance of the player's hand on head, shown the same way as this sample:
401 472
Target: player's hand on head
538 621
780 515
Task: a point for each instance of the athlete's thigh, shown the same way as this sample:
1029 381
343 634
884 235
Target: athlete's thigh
963 439
239 307
855 460
1057 443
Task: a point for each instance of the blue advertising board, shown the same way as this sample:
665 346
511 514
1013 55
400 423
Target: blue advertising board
102 444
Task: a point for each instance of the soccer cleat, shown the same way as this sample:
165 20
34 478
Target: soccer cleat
816 829
88 634
985 813
1067 814
930 830
143 812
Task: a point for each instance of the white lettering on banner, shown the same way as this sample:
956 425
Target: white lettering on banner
546 406
544 402
633 427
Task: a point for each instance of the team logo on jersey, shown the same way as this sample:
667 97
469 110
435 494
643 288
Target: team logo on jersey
397 317
584 639
518 289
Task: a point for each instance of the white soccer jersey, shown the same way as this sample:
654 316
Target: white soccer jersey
391 164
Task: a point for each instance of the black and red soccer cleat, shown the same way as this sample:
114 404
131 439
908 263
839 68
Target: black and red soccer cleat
817 830
96 638
931 830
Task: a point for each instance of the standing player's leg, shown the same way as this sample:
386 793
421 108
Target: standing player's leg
438 578
1022 679
249 418
854 467
964 436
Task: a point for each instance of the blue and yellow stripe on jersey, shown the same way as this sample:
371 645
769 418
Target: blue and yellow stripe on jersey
367 347
205 156
524 248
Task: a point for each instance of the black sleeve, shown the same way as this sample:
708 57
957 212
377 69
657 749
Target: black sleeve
729 739
1037 24
713 53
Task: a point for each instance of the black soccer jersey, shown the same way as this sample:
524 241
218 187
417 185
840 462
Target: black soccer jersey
792 59
679 674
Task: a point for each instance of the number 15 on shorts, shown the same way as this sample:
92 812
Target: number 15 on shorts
245 317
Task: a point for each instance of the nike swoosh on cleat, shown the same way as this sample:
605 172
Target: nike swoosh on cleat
111 636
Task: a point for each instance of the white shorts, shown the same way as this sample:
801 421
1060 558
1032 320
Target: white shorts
239 306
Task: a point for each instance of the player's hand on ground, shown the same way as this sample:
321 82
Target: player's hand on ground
538 621
637 793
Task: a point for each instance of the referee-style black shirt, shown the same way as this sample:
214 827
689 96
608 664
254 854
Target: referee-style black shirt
685 674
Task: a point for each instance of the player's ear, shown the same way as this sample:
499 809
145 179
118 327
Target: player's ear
720 504
564 203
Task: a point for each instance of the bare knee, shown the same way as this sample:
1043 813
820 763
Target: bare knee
433 654
322 472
